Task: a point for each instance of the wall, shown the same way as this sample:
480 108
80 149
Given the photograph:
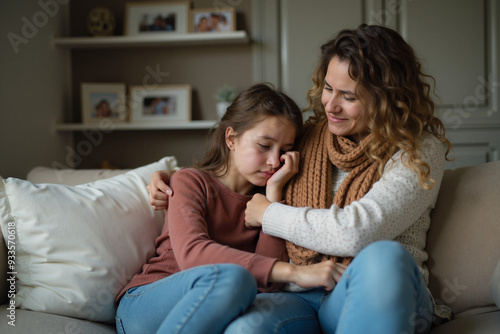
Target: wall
34 85
458 42
36 82
40 85
204 68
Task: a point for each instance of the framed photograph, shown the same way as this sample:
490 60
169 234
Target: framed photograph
166 103
156 17
213 20
103 100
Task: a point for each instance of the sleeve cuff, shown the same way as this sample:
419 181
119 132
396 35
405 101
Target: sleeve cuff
275 221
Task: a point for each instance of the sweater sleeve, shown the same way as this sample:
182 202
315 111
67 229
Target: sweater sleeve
189 233
275 248
394 203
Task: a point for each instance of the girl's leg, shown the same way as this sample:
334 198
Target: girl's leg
199 300
280 312
382 291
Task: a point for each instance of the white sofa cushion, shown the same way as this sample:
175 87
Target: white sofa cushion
75 247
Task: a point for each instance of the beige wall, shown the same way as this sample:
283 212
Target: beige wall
36 84
204 68
33 86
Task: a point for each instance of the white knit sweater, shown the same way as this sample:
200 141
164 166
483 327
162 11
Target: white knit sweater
396 208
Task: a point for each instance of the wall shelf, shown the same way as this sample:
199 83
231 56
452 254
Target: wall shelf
165 39
193 125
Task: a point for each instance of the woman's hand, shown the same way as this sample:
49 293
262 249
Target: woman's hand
159 190
290 167
325 274
255 210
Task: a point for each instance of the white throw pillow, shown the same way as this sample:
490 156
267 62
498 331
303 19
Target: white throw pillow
75 247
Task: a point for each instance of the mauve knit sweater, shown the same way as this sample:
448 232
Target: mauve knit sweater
204 224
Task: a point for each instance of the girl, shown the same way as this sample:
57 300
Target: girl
208 265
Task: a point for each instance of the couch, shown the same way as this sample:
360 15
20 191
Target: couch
74 237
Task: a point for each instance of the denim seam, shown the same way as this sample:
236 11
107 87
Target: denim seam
201 300
286 322
119 326
346 306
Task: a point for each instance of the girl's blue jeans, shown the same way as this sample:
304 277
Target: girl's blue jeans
198 300
382 291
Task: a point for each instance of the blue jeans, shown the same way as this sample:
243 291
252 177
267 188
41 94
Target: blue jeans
382 291
198 300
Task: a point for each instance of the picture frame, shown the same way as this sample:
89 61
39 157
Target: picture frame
103 101
161 104
156 17
212 20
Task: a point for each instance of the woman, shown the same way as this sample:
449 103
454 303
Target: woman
372 160
208 265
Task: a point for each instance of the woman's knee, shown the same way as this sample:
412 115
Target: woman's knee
383 262
385 253
385 270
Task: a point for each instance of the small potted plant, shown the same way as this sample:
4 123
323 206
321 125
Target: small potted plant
224 96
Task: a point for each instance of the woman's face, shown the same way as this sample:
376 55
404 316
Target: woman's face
343 108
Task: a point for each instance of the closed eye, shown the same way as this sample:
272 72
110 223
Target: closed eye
350 99
327 87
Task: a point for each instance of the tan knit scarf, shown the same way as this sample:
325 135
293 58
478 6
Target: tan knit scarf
320 150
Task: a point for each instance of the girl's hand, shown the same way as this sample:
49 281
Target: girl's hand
159 190
325 274
255 210
290 167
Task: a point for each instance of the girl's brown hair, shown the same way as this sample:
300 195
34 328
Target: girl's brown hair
392 88
248 108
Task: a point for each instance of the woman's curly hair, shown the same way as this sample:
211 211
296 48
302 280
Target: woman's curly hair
391 87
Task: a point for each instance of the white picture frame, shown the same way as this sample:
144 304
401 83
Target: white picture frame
212 20
161 104
150 18
103 101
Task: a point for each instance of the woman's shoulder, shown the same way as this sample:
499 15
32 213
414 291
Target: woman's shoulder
431 150
428 139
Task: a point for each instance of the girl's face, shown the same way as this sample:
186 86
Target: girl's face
343 108
256 154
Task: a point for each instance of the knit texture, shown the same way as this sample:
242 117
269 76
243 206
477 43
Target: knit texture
320 151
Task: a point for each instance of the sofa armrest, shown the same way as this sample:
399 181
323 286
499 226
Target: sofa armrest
463 241
70 177
495 285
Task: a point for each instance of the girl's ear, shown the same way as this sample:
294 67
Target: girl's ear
230 138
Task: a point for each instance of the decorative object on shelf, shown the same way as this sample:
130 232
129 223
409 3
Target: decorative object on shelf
213 20
103 101
156 17
101 22
162 104
106 164
224 96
